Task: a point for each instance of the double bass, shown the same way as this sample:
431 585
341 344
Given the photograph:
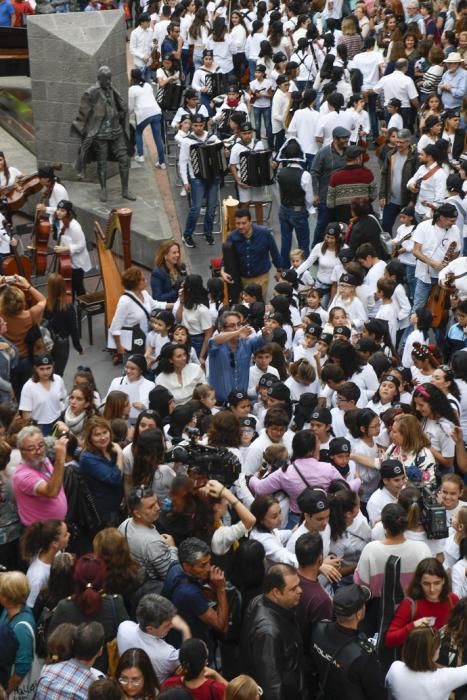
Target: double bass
41 231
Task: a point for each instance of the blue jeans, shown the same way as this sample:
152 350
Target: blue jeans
291 220
263 113
156 122
252 67
321 223
201 189
390 213
422 292
410 279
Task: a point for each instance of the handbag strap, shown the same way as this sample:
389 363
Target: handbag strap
130 296
301 475
378 222
31 631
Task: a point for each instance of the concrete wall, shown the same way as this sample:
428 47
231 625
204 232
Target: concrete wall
66 51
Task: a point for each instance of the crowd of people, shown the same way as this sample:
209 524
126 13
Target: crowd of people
270 499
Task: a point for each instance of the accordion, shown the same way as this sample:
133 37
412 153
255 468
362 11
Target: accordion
256 168
208 160
169 97
216 84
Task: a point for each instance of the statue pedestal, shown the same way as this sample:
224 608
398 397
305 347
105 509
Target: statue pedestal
66 51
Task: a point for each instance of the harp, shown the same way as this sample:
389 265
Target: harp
114 250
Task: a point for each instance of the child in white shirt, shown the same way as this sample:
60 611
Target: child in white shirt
387 311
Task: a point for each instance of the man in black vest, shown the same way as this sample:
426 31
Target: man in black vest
296 194
345 662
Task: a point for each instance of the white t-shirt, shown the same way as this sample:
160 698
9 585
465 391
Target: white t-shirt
197 320
137 391
45 405
164 657
38 576
435 242
368 62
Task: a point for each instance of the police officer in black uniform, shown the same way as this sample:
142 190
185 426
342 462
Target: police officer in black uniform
345 662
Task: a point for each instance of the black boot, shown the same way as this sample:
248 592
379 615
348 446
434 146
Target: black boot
124 177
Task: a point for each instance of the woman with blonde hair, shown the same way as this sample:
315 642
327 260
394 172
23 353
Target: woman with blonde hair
350 37
409 445
243 688
21 307
62 322
14 590
168 271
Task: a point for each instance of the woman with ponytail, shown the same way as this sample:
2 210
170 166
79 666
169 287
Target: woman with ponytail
90 603
40 542
197 677
350 531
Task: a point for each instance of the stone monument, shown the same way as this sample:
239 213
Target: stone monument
66 52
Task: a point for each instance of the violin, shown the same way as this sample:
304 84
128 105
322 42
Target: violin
362 143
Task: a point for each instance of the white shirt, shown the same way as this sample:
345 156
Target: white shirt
58 193
459 578
197 320
397 85
130 313
326 264
192 375
429 685
4 237
262 101
141 45
160 31
223 52
376 503
388 312
303 126
255 376
38 575
432 190
163 656
74 239
253 45
44 405
280 106
302 530
239 36
137 391
435 242
254 455
14 174
368 62
328 122
142 102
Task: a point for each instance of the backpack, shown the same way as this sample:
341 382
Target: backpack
82 510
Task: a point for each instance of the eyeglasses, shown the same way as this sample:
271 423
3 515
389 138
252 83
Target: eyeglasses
82 368
233 364
130 681
34 448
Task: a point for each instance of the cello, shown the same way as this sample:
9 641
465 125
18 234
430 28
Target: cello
41 231
63 265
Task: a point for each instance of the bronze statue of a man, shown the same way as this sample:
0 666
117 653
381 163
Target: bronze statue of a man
101 123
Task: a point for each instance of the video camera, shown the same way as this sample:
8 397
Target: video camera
213 462
433 515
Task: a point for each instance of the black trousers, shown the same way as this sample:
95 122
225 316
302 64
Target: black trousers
77 282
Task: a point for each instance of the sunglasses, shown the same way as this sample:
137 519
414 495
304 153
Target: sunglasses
233 365
142 492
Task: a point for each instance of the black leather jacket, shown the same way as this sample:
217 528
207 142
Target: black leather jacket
272 649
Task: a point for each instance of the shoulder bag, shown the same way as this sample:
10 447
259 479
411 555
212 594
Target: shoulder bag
28 686
138 336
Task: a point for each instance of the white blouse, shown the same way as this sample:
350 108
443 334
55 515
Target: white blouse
192 375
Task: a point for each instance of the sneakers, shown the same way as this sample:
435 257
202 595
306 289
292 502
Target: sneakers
209 240
139 159
161 166
189 242
183 192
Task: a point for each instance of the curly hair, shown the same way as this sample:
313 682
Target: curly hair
224 430
438 402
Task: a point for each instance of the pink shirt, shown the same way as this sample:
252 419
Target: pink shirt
31 505
316 475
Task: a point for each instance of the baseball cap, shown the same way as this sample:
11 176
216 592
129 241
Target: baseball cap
346 278
346 255
313 329
391 468
395 102
322 415
42 360
349 599
267 379
198 119
312 501
342 330
279 391
338 446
